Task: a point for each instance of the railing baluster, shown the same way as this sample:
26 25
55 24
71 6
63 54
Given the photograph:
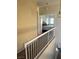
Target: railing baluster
35 46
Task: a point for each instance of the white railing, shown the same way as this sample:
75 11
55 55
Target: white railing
35 47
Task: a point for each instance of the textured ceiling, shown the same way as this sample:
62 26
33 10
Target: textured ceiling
47 2
49 6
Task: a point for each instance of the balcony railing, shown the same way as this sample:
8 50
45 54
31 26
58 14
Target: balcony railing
35 47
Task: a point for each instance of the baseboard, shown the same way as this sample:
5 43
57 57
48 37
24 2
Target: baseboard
20 50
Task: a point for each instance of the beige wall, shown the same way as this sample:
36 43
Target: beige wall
26 22
57 24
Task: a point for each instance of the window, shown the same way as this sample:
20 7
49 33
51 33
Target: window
47 20
51 20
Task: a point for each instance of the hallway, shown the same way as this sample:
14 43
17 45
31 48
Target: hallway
36 20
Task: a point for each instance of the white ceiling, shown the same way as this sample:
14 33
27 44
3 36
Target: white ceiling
49 6
47 2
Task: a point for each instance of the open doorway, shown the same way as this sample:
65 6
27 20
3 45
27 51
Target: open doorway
47 22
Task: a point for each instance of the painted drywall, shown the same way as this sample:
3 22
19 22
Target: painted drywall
57 24
26 22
